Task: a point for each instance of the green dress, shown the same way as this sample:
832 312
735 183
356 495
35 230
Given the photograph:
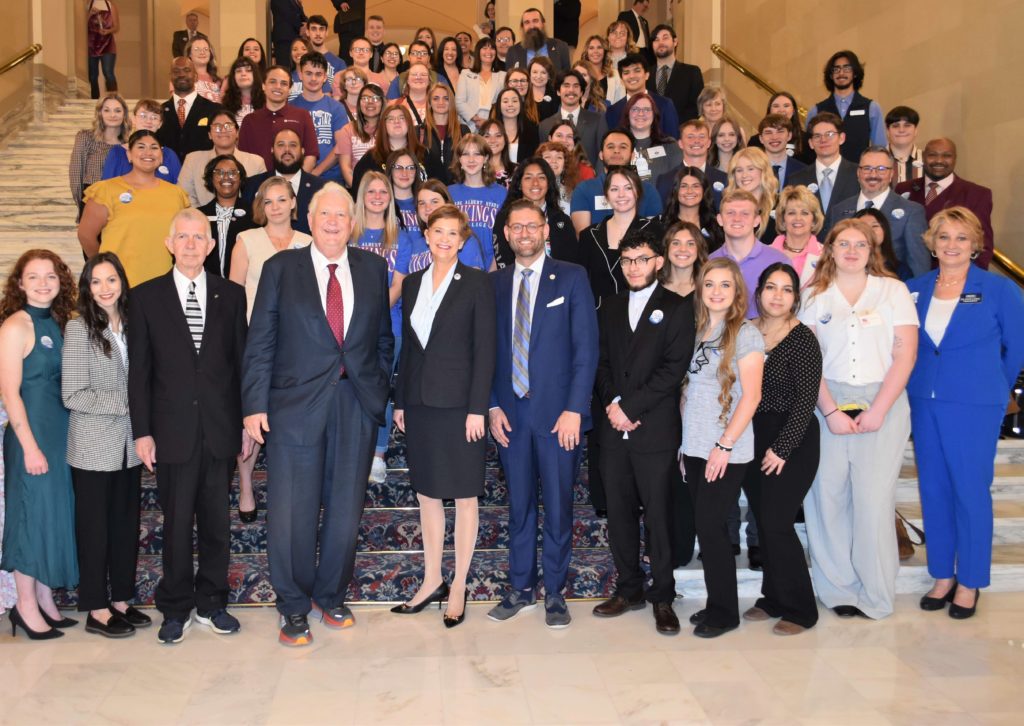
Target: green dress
39 534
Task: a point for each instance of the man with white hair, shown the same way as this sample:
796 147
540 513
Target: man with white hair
316 380
186 346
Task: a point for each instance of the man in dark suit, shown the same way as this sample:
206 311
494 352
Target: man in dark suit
349 24
695 141
775 131
681 83
288 156
831 177
317 376
186 115
184 37
186 346
535 42
940 188
590 125
646 339
289 21
637 23
635 76
567 22
906 218
540 405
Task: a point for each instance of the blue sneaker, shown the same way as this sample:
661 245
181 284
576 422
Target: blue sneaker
556 614
173 630
514 603
219 621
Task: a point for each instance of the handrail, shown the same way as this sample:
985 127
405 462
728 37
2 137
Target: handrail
1009 266
738 65
21 57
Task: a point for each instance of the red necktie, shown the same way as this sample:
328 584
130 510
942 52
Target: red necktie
181 112
335 307
933 191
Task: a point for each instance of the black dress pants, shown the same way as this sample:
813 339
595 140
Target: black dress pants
107 534
786 590
594 479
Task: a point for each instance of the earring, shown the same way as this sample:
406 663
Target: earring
935 255
974 255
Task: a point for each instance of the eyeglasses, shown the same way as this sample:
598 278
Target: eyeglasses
223 127
844 68
360 51
628 262
419 53
371 97
148 117
532 228
353 80
226 173
844 245
881 169
402 167
824 135
641 111
392 54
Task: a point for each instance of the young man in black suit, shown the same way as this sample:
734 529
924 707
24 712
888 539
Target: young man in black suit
186 346
646 342
186 115
681 83
831 177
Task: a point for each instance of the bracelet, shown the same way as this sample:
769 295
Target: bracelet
831 412
726 449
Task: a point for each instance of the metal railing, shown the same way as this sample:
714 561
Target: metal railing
20 58
1011 268
748 73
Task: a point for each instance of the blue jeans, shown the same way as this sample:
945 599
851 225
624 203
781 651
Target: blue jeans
384 434
107 61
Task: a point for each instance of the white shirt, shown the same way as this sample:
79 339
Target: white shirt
834 166
641 42
877 202
943 183
189 100
856 340
940 312
573 115
427 302
517 279
294 181
182 284
122 343
343 273
638 300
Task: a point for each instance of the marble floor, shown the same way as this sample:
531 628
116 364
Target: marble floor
912 668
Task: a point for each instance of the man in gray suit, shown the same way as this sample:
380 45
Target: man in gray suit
906 218
536 42
590 125
831 177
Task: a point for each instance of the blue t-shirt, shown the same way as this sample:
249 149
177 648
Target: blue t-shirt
481 205
419 253
407 211
397 257
296 88
329 117
117 164
589 196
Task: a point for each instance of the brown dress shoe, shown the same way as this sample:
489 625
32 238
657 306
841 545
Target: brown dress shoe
665 620
784 627
756 614
616 605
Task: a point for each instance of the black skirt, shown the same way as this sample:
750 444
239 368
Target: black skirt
442 464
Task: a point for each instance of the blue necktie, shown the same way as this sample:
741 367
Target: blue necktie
825 190
521 339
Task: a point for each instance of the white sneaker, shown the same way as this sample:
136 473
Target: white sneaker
379 471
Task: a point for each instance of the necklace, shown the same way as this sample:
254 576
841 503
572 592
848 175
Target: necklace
785 245
950 283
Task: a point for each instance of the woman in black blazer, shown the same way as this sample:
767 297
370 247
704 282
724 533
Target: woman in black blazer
441 400
225 176
522 133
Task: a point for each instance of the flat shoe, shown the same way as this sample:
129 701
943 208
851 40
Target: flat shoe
756 614
931 604
784 627
711 631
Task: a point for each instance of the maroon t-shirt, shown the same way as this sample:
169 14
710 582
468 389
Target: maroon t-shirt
258 128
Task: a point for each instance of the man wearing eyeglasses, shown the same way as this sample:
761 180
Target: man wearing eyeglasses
540 406
832 178
862 117
906 218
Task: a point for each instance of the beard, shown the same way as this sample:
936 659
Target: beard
534 39
282 168
648 280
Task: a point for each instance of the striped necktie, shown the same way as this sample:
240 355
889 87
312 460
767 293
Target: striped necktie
521 339
194 316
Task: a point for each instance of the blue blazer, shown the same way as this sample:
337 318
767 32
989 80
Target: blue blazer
563 345
291 357
907 223
982 351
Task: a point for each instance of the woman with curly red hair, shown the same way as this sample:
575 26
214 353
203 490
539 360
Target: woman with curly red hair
39 537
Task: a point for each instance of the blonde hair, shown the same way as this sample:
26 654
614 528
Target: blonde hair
825 273
798 195
390 236
956 215
259 216
99 127
769 184
735 317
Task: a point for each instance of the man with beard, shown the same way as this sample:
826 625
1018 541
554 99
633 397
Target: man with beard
646 342
940 188
186 114
635 76
862 118
680 83
590 125
259 128
535 42
288 154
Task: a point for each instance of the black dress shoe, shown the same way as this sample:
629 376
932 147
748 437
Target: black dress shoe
698 617
736 550
848 611
451 622
959 612
14 617
938 603
616 605
59 624
754 561
711 631
137 618
440 595
115 627
665 620
601 513
247 517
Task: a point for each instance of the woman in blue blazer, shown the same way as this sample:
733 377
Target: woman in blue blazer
968 359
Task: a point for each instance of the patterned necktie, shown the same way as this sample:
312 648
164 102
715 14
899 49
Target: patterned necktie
521 339
224 217
825 190
194 316
662 80
335 307
181 112
933 191
869 204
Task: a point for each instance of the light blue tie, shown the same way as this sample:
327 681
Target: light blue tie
521 339
826 188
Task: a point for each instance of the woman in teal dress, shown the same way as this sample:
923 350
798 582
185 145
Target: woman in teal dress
39 532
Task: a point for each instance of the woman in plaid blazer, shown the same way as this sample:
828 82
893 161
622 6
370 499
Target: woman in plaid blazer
105 469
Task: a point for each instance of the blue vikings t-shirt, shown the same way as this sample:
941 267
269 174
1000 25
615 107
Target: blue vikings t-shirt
398 258
481 205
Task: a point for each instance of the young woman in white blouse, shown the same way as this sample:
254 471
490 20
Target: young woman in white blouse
866 324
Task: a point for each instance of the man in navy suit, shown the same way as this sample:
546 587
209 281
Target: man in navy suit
940 189
831 177
288 156
635 76
317 374
906 219
775 131
535 42
540 405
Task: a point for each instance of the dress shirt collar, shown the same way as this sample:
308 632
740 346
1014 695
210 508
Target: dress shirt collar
537 267
189 100
834 166
181 283
943 183
877 202
320 260
642 295
294 181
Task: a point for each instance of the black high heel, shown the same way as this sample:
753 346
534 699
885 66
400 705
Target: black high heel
959 612
938 603
18 621
60 624
450 622
440 595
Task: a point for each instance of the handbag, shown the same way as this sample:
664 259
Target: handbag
903 541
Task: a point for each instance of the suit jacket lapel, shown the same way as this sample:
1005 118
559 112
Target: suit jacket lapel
454 290
214 312
360 291
173 302
644 324
971 285
547 284
415 282
503 291
309 289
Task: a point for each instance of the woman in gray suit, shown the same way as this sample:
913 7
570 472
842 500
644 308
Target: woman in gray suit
105 469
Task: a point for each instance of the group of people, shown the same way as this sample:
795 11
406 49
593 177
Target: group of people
709 330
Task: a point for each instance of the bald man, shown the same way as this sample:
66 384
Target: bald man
186 115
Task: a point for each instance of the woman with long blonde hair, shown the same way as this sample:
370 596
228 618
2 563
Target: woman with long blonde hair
596 56
750 170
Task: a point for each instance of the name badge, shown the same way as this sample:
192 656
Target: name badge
601 203
869 319
656 152
970 298
858 112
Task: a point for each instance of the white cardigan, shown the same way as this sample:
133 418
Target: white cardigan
467 96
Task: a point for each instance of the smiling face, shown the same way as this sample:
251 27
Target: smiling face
874 173
774 140
252 51
403 173
200 52
518 80
526 230
538 76
939 159
146 155
634 78
377 198
510 104
726 138
418 79
718 290
826 140
472 160
144 120
641 117
391 57
488 54
331 224
375 31
532 19
617 150
782 106
901 133
183 76
564 134
313 78
426 202
778 296
105 287
450 53
842 73
713 110
556 160
276 86
640 266
690 193
504 41
621 194
226 179
495 139
397 127
298 50
682 250
444 238
111 114
739 218
748 176
695 143
190 243
798 220
370 104
534 184
851 251
40 283
595 52
953 247
617 38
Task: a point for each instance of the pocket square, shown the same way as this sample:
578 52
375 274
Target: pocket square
556 301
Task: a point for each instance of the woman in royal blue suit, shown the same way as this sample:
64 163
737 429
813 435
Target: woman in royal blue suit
968 359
